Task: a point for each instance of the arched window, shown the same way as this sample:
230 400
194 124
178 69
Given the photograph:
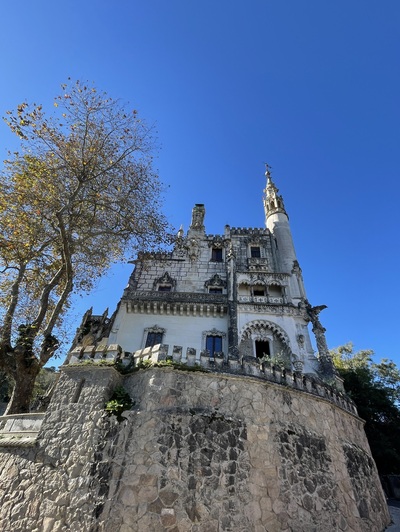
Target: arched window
262 348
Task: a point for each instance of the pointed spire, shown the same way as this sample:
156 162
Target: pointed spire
273 202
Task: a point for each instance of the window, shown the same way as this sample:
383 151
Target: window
215 290
258 291
262 349
275 291
214 344
216 254
165 288
255 252
153 338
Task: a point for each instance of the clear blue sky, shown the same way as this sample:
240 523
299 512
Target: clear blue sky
312 87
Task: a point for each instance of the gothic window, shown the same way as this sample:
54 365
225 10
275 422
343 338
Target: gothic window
255 252
258 291
164 288
216 254
275 290
213 341
213 290
262 348
214 344
153 336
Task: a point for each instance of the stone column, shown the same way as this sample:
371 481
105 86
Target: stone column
232 300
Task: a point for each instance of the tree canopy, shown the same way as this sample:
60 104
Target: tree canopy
375 388
81 194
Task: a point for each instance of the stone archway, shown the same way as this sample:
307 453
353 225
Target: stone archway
263 335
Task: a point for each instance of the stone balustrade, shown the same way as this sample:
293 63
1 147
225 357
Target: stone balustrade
247 366
20 429
262 299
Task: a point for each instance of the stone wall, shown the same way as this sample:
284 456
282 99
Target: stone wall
197 452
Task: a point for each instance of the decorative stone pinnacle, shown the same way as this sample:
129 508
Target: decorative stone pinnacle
273 202
198 213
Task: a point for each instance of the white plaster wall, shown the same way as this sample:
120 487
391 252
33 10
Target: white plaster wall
278 224
185 331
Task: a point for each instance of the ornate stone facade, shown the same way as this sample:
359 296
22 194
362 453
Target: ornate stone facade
236 423
225 282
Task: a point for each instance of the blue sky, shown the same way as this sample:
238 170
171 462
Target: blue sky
312 87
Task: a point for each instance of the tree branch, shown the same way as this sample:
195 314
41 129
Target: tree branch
9 316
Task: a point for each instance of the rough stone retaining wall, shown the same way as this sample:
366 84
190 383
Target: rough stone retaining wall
198 452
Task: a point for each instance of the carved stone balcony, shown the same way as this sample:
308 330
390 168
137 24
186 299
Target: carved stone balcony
258 264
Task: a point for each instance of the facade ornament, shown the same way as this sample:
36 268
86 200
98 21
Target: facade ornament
179 247
193 250
165 279
217 242
230 254
213 332
198 214
256 326
296 268
327 367
215 281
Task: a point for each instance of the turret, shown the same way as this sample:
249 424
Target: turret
277 221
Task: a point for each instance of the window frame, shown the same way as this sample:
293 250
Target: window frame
217 254
213 338
255 252
155 330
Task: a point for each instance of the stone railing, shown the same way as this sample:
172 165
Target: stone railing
247 366
258 263
20 429
261 299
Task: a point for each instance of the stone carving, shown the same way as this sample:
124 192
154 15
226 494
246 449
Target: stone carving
165 279
327 367
154 329
217 242
256 326
230 254
216 282
198 214
213 332
258 263
193 249
296 268
180 244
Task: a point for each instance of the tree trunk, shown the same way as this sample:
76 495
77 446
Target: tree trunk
21 397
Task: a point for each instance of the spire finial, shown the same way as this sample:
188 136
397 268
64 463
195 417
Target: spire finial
273 202
267 170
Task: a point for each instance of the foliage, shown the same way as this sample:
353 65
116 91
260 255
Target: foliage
43 382
79 196
169 363
375 390
119 402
